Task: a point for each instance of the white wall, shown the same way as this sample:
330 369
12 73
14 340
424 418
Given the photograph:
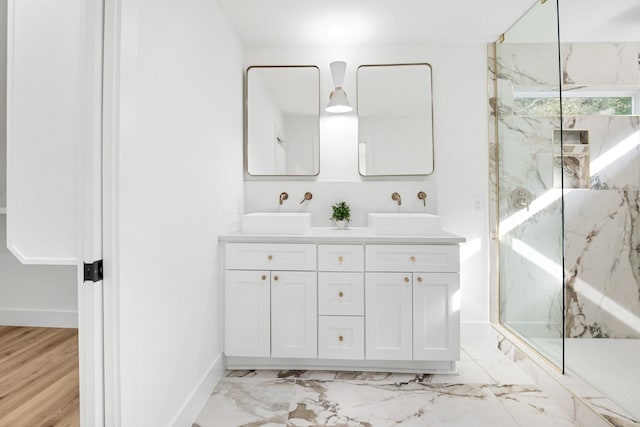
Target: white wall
174 185
35 295
460 135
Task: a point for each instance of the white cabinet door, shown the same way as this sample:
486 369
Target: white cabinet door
294 314
436 316
54 110
388 316
247 303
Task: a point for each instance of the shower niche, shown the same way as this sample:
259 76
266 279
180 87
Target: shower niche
571 158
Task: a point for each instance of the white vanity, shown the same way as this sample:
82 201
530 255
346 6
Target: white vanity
341 299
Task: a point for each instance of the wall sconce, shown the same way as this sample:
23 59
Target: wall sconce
338 102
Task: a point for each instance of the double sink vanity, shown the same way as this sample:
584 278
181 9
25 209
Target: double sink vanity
383 297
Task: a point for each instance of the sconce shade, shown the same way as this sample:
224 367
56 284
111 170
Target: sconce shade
338 69
338 102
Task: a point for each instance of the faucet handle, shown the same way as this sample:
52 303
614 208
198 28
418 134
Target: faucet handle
395 196
283 196
423 196
307 196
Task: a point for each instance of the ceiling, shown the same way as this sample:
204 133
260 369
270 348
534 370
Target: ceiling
302 23
370 22
598 20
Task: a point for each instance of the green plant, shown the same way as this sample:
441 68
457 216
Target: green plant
341 212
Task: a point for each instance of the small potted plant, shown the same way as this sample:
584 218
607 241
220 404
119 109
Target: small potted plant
341 214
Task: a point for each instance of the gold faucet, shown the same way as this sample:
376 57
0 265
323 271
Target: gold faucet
396 197
307 196
423 196
283 196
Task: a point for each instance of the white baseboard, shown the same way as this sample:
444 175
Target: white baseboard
39 318
199 396
475 331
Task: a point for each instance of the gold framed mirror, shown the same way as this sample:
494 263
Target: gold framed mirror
395 120
282 121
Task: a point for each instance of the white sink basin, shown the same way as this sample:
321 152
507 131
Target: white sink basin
276 223
405 224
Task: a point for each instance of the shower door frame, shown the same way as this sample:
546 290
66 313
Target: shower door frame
494 217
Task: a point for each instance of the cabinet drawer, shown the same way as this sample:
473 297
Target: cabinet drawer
269 256
425 258
341 294
340 258
340 337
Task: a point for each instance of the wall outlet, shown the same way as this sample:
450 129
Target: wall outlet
476 205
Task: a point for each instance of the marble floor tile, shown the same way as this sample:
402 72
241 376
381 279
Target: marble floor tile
265 373
480 350
247 401
469 372
320 375
530 406
488 390
503 371
347 403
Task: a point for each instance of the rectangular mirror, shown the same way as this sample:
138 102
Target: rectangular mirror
282 120
395 120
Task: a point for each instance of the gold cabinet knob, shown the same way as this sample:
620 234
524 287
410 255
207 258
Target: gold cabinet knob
420 279
340 294
275 278
406 279
340 259
264 277
413 259
340 338
270 257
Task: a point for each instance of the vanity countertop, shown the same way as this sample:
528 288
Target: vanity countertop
349 235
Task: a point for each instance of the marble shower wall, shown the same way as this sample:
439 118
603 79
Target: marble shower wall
602 224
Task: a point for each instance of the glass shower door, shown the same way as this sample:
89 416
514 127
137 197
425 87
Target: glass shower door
529 181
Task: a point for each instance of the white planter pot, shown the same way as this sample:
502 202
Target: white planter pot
341 225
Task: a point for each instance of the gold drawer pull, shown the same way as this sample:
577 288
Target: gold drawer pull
413 259
340 259
420 279
270 257
275 278
406 279
340 338
264 277
340 294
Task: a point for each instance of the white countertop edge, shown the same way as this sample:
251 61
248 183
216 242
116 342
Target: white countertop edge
350 235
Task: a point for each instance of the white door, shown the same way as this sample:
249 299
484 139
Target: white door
294 314
436 316
388 316
246 317
54 125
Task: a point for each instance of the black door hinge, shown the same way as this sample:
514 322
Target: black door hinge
93 271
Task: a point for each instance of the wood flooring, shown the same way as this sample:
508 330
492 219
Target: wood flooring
39 377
